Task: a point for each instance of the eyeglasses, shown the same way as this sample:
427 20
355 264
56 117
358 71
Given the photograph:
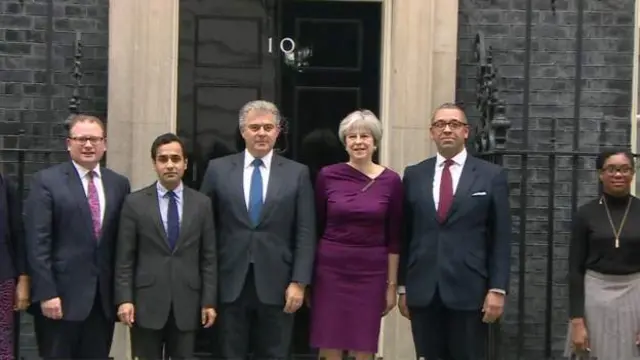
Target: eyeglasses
94 140
453 124
613 169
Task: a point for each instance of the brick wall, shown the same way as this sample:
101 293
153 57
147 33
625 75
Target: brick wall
605 103
36 58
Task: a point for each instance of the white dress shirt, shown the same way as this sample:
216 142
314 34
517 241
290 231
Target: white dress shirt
97 180
265 170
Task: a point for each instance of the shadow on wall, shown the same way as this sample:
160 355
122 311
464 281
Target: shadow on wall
319 148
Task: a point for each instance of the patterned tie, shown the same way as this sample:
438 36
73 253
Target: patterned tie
255 192
94 204
173 220
446 192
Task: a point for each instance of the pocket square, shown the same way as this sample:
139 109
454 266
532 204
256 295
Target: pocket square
480 193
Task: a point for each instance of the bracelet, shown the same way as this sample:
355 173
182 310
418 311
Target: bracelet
391 283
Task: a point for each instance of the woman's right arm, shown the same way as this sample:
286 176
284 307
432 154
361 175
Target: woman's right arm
321 202
578 250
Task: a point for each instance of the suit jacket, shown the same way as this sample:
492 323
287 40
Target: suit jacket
467 254
282 244
13 260
157 279
65 258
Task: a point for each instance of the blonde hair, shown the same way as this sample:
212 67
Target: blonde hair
78 118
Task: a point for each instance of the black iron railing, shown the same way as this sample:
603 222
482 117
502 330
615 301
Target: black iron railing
546 188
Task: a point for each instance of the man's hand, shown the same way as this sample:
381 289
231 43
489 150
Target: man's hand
22 298
127 314
493 307
208 317
52 308
402 306
294 296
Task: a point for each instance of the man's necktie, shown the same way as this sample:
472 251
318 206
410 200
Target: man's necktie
446 192
255 192
173 220
94 204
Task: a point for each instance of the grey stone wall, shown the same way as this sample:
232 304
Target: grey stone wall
605 104
36 59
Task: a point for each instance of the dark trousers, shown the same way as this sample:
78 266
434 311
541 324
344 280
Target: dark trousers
248 326
440 333
151 344
62 339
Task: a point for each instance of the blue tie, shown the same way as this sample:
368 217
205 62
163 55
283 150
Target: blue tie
173 221
255 193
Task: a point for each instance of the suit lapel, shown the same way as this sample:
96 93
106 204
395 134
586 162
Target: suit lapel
74 183
430 172
188 214
467 179
276 181
156 217
108 183
236 183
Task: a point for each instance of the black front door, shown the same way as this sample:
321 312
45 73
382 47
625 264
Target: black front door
230 54
334 70
223 63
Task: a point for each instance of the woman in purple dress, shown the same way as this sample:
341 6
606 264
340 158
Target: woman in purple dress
359 206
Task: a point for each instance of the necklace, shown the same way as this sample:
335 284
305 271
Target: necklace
616 233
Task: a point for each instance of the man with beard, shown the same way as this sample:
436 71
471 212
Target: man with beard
264 209
71 222
166 269
454 262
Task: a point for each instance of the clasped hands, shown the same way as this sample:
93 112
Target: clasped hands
126 314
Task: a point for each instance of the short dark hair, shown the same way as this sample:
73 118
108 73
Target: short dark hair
165 139
449 105
606 154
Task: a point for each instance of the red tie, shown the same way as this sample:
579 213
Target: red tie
446 192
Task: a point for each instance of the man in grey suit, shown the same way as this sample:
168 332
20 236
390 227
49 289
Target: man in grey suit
165 272
264 208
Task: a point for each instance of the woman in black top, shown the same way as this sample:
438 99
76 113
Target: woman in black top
604 267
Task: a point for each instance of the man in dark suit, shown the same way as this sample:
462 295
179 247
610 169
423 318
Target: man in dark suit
265 219
166 268
454 264
71 222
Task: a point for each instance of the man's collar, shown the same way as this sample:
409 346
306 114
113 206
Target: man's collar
162 191
266 160
459 159
82 171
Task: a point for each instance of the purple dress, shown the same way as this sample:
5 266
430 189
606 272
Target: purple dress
361 221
